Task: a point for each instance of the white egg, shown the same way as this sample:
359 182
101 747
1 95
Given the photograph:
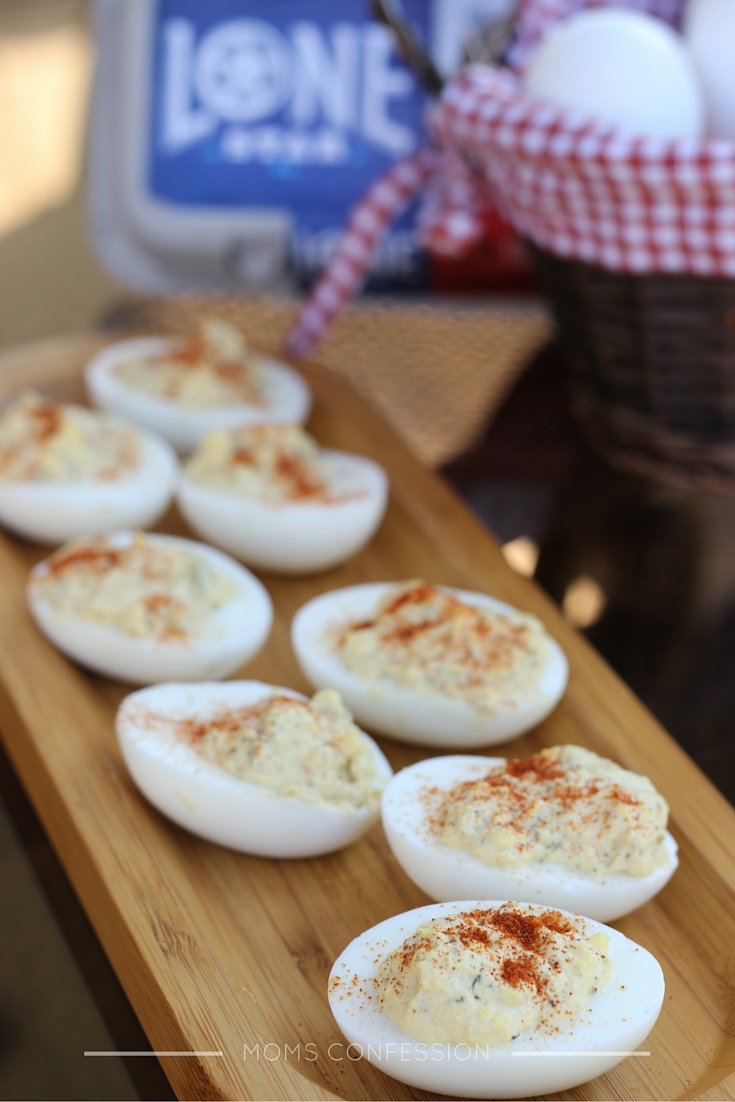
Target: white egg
446 873
293 537
53 511
206 799
625 68
398 711
617 1021
709 29
286 396
230 636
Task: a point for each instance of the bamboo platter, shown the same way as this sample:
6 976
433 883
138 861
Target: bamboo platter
223 953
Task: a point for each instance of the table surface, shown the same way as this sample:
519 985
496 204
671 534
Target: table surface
519 499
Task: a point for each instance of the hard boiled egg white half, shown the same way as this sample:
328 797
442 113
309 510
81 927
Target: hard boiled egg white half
51 512
207 800
293 537
396 710
618 1019
230 636
286 396
446 873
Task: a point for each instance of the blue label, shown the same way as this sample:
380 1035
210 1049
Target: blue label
285 103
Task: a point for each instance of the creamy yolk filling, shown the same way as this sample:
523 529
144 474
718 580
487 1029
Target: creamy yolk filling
146 590
43 441
486 976
213 368
565 806
309 750
275 463
436 645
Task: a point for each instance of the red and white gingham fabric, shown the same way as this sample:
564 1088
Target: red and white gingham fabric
350 261
582 190
572 184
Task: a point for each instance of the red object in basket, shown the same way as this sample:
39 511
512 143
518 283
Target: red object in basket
498 262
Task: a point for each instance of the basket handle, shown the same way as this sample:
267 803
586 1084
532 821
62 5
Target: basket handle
416 57
486 45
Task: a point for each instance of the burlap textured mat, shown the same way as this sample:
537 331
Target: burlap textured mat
437 373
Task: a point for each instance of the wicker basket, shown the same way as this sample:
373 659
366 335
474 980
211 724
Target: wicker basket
652 367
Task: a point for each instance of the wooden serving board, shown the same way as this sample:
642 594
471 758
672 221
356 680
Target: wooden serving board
218 951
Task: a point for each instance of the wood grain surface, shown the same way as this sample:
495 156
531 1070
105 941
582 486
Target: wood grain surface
218 951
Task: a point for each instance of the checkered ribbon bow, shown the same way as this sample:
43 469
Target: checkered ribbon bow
569 183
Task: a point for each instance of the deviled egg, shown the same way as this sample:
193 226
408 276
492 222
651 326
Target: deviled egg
270 496
564 827
426 664
67 471
146 608
486 999
254 767
185 388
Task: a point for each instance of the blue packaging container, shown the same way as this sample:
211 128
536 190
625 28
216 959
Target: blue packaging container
230 138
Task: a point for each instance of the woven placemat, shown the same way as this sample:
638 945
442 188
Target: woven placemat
438 373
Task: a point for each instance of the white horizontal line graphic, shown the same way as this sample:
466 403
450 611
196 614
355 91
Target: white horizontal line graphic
589 1052
184 1052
